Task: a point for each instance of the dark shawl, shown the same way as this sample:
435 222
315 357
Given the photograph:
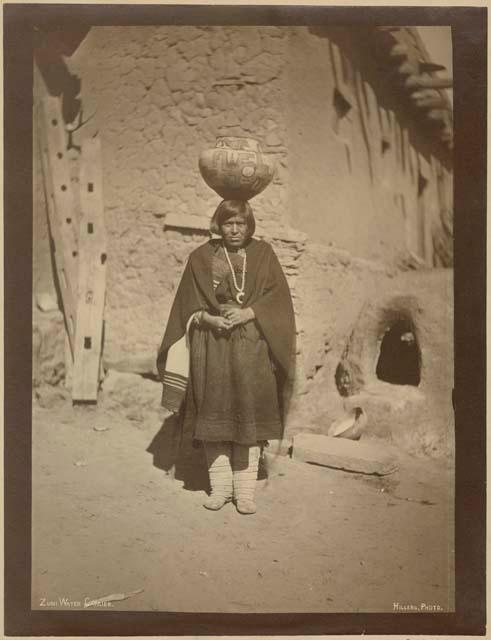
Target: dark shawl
266 291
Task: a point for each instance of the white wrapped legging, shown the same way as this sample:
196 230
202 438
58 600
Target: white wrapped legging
233 469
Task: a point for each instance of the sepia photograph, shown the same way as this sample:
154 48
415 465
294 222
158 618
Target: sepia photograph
243 346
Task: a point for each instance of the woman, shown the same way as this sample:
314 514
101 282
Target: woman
234 305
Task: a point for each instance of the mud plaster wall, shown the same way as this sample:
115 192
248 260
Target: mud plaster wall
355 179
341 299
159 95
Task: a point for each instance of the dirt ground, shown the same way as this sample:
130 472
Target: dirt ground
117 509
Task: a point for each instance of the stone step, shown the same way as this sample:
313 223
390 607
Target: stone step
340 453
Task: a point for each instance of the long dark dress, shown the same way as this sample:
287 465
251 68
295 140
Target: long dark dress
237 378
235 395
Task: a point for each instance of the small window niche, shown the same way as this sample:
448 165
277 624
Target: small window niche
399 360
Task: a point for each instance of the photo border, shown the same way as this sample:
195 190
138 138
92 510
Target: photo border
469 32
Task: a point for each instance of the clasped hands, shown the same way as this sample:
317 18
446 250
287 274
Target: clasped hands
232 317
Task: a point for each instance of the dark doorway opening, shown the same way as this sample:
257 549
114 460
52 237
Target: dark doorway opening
399 361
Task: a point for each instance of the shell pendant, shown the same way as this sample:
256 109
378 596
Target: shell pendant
240 297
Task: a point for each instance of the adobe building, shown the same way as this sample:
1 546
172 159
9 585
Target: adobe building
359 213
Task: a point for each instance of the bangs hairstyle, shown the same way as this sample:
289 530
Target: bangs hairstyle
228 208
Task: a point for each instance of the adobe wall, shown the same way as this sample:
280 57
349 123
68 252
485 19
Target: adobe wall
355 178
345 306
160 96
334 195
342 213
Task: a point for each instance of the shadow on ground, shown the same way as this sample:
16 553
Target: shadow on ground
175 452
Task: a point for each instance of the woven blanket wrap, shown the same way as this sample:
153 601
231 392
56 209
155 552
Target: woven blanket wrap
267 293
176 374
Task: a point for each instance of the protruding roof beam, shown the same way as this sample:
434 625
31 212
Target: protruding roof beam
422 82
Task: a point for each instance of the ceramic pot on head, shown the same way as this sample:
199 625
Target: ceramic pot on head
236 168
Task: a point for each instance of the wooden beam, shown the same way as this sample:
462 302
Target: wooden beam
399 50
433 102
91 276
422 82
60 206
430 67
406 69
187 221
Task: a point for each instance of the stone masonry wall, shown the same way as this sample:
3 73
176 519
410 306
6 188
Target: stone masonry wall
344 210
160 96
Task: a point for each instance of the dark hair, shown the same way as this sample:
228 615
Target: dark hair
228 208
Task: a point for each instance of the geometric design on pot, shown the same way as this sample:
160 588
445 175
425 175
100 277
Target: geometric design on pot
236 168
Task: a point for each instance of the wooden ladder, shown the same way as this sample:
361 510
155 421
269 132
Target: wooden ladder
91 276
79 246
61 207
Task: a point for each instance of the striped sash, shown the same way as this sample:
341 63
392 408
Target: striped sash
176 372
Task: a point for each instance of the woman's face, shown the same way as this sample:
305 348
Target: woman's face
234 232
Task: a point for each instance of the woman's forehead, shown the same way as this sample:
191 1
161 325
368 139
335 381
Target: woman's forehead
234 217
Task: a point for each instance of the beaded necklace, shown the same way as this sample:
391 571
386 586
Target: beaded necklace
240 290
